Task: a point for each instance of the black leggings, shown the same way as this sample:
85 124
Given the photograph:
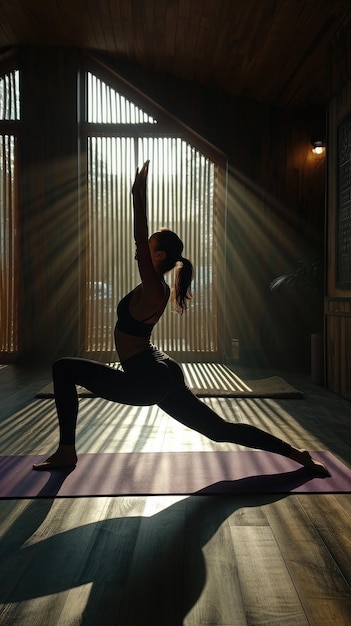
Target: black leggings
150 377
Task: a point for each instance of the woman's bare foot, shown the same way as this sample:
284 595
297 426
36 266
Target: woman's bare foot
304 457
64 457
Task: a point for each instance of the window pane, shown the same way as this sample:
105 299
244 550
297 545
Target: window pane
8 241
107 106
9 96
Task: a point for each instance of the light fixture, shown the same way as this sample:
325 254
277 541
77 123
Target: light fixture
318 147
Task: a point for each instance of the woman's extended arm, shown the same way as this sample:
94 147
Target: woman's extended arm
150 279
141 234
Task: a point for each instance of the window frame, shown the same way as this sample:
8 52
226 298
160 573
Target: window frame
167 126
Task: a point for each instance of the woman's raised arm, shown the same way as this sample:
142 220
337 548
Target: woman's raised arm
149 277
141 234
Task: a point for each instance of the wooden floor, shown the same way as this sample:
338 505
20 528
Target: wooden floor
164 561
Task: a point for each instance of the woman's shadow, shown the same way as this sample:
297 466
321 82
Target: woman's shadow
141 569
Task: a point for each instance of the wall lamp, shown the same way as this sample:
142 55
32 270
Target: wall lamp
318 147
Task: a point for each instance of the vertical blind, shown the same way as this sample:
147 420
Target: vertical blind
181 196
9 111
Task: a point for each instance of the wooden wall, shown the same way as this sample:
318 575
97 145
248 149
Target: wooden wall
338 296
48 178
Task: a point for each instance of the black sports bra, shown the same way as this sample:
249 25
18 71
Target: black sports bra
128 324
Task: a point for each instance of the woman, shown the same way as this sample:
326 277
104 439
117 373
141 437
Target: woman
150 376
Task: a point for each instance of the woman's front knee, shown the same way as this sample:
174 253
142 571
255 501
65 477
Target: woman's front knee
176 375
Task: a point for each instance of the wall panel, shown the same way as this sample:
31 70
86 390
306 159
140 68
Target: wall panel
338 301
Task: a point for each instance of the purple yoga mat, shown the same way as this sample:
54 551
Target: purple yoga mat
161 473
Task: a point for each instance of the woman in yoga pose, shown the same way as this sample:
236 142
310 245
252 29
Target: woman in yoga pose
150 376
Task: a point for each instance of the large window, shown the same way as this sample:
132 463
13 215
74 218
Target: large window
9 115
182 195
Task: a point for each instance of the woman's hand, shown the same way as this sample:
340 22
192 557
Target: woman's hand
139 185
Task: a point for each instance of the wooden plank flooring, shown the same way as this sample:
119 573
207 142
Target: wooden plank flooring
171 561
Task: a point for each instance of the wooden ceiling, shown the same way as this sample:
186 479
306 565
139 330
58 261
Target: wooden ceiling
272 51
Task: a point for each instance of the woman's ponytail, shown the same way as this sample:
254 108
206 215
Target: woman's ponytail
183 278
172 245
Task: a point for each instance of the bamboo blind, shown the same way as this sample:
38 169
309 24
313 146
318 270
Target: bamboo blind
181 196
9 111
